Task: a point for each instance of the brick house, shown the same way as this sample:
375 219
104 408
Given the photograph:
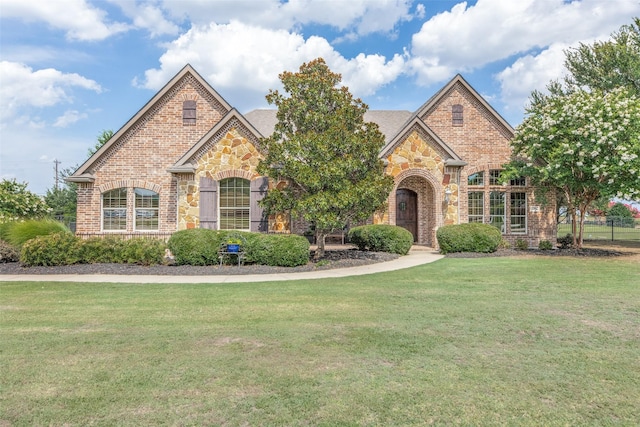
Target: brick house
188 159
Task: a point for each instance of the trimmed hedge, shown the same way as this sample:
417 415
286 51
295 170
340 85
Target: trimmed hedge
381 238
200 246
195 246
50 250
278 250
66 249
472 237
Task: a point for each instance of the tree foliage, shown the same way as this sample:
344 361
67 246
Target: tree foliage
584 145
324 150
607 65
102 139
16 202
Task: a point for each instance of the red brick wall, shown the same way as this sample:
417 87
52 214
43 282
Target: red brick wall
142 155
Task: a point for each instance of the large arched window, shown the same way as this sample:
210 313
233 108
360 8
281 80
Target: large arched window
235 201
146 209
114 209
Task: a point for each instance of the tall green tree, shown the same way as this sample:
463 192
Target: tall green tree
583 145
609 64
325 151
63 201
102 139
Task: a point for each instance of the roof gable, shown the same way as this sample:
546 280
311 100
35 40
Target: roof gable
186 163
459 82
84 172
415 123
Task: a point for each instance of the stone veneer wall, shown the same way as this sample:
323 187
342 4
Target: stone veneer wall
416 165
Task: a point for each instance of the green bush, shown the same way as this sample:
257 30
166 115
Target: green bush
381 238
545 245
8 253
51 249
472 237
141 251
521 245
196 246
281 250
565 242
100 250
18 232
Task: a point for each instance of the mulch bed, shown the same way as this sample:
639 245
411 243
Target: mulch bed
332 259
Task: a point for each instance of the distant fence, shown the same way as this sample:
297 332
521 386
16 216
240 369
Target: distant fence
611 228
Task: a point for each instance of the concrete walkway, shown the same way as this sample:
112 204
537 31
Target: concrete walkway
418 255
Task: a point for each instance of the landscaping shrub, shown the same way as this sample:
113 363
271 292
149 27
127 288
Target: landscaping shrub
545 245
521 245
381 238
100 250
196 246
141 251
565 242
472 237
18 232
51 249
281 250
8 253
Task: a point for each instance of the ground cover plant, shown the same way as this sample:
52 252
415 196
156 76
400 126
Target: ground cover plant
489 341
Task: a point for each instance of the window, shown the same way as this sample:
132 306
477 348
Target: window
235 196
476 206
476 179
457 115
189 112
114 209
518 213
518 182
494 177
497 210
146 209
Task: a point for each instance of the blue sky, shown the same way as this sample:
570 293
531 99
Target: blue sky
72 68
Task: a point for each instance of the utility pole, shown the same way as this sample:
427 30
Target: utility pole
55 168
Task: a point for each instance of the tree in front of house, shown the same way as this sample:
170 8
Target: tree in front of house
16 202
325 152
607 65
584 145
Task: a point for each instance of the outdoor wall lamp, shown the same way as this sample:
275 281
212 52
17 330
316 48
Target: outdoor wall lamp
447 194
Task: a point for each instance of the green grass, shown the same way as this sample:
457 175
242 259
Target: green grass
492 341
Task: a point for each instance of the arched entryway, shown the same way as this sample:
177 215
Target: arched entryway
407 211
414 206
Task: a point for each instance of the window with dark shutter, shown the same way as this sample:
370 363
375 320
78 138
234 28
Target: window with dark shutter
189 112
457 115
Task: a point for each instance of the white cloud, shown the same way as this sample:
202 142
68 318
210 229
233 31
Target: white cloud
366 16
148 16
467 38
251 58
23 87
531 72
69 117
80 20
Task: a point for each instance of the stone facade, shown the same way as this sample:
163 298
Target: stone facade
452 136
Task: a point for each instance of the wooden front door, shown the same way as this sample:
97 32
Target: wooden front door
407 211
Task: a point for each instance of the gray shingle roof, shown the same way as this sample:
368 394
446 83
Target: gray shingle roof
389 121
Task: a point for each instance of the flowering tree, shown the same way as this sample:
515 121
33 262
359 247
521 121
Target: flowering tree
583 145
16 202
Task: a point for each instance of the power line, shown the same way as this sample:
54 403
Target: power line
55 168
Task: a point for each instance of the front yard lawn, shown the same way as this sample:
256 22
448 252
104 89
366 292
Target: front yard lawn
490 341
